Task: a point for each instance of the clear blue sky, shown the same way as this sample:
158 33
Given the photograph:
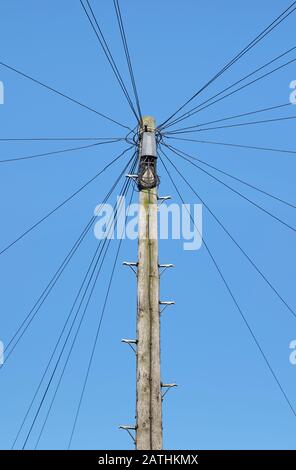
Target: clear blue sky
227 398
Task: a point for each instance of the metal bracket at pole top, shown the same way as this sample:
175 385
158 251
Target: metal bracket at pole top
132 177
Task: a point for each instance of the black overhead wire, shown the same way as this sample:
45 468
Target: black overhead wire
183 116
249 113
54 279
205 104
241 124
233 297
70 351
45 293
56 152
133 135
259 271
227 144
96 337
238 193
231 176
239 89
67 319
63 203
75 336
127 54
65 344
37 139
64 95
94 23
93 266
255 41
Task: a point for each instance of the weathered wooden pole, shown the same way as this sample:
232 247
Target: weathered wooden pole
149 401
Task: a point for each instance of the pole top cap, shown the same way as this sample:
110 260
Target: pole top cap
148 124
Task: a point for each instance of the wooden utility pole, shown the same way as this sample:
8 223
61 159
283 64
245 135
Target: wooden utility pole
149 399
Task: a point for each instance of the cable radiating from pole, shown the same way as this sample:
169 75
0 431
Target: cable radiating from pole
258 111
205 104
227 144
73 100
73 322
239 194
226 284
45 293
255 41
125 188
231 176
56 152
127 54
60 356
96 338
242 124
68 318
108 54
41 139
259 271
63 203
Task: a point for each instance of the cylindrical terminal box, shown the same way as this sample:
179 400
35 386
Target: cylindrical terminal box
148 147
